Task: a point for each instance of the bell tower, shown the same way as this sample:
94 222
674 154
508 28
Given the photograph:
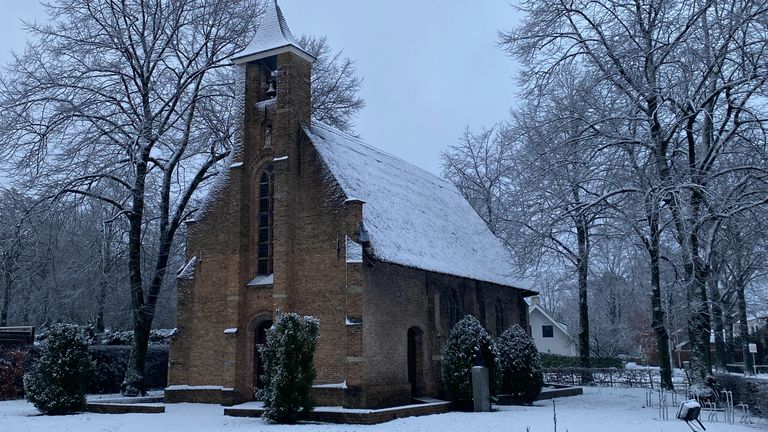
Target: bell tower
277 86
277 104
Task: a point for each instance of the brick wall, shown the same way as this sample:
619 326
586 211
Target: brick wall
397 298
365 311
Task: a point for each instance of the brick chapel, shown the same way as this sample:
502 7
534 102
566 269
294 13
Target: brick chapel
309 219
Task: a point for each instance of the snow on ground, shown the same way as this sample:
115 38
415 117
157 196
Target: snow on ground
598 410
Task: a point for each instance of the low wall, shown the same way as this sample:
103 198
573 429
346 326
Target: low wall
751 391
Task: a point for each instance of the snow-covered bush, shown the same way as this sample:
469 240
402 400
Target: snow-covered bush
549 360
115 337
467 338
56 385
288 358
521 371
110 362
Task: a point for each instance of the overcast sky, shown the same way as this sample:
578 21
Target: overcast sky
431 67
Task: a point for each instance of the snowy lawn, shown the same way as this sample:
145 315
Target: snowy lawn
599 409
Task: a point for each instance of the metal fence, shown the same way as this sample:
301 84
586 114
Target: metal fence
611 377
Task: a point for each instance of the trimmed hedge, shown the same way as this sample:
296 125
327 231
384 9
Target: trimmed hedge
751 391
105 376
561 361
116 338
109 364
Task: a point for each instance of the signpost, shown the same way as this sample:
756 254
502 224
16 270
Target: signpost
753 351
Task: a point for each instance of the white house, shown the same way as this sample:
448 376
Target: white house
550 335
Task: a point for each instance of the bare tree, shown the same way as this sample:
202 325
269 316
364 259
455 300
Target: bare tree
134 103
335 85
481 165
690 112
744 249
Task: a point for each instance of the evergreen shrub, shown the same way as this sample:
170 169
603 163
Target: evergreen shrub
521 372
56 383
288 358
467 338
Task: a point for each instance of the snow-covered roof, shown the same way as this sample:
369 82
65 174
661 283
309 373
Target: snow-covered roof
354 251
188 271
413 218
560 326
272 37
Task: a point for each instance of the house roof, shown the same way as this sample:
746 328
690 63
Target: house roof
413 218
560 326
272 37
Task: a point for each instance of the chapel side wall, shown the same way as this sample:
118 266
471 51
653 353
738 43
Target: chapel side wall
200 354
394 300
316 260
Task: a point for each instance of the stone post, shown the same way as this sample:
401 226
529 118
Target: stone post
481 389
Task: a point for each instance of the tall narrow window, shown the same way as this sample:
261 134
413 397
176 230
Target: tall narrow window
454 309
500 324
266 222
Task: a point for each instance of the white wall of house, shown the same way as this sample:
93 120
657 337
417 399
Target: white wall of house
557 342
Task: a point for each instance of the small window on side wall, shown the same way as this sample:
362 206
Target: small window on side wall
548 331
500 324
454 309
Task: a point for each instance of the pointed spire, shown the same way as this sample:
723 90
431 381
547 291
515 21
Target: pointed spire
272 37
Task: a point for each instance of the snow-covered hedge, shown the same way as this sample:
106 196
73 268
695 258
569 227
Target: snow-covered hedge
521 372
56 384
109 364
467 338
115 337
560 361
289 367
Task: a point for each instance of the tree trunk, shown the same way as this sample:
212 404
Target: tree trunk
698 323
749 365
582 267
106 270
717 325
728 317
8 279
658 314
133 384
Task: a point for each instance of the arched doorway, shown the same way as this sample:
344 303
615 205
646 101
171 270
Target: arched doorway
416 361
259 339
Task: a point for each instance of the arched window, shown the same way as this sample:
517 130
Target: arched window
266 222
500 324
454 309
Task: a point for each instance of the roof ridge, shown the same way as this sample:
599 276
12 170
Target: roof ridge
284 28
360 141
